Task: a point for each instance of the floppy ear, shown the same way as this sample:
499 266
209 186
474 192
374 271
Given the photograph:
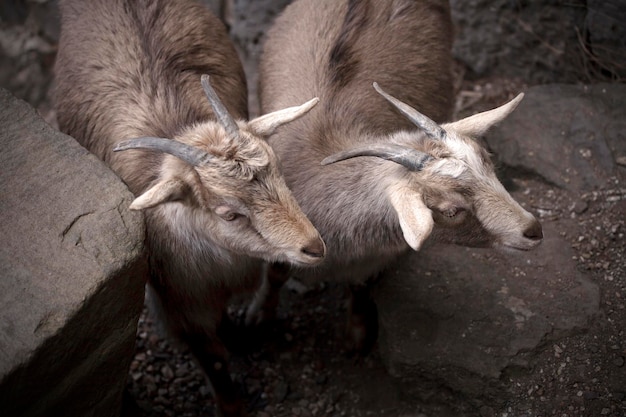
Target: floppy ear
416 219
266 125
166 190
478 124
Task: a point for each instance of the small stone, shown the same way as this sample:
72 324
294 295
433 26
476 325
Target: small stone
204 390
181 371
281 391
167 373
321 379
590 395
134 365
619 361
619 396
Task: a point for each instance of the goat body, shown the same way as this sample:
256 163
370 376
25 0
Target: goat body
404 45
370 209
132 68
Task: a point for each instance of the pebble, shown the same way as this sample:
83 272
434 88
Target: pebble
280 391
204 391
167 373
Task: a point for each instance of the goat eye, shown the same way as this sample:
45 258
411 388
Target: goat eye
226 213
229 216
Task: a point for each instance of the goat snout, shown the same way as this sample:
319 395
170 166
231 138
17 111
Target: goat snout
534 231
315 248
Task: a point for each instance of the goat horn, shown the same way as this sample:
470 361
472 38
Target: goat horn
219 109
409 158
431 128
187 153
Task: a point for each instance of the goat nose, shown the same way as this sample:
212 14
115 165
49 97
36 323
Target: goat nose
534 232
315 248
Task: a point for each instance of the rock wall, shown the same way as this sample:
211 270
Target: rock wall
72 271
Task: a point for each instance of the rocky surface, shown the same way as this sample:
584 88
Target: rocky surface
465 318
576 140
72 270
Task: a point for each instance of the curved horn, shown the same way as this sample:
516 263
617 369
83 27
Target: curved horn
219 109
431 128
189 154
409 158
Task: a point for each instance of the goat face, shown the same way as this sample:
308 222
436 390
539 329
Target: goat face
447 184
222 184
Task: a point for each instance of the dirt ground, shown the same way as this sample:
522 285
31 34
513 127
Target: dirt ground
302 369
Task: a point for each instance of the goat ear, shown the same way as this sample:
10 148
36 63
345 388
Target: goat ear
416 219
266 125
161 192
478 124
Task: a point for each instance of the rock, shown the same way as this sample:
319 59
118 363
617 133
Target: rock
28 38
463 318
280 391
566 134
533 40
72 269
607 34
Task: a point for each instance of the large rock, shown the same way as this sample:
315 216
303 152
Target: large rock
572 136
465 318
72 273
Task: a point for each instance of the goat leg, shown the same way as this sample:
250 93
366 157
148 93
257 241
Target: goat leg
213 357
263 307
362 326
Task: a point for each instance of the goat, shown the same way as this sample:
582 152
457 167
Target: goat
407 185
214 200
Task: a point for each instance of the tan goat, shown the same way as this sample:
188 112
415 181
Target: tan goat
408 184
214 200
